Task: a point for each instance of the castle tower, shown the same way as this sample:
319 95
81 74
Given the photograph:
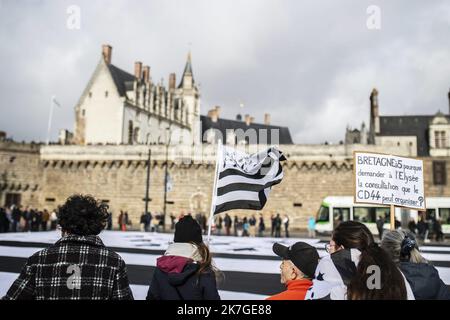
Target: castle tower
374 116
190 101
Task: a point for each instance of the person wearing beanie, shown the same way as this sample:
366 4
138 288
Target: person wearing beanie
297 269
185 271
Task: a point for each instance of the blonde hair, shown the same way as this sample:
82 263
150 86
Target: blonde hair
392 243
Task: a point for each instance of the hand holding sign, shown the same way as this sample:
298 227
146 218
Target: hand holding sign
389 180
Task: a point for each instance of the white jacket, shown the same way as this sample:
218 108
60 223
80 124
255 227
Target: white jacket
333 272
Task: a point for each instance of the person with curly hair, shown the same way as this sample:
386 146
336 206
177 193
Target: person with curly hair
78 266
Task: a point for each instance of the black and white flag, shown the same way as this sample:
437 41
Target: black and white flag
244 181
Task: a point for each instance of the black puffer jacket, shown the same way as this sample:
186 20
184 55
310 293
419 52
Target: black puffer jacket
425 281
176 278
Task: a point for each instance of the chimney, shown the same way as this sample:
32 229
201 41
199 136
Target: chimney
374 116
218 111
212 114
146 74
172 81
449 100
107 53
374 102
267 119
138 69
247 119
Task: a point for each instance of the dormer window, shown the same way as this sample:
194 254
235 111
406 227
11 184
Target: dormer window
440 139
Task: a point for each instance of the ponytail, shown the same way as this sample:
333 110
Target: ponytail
373 259
365 286
402 247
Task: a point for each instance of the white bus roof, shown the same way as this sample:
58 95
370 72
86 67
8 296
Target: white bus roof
347 201
441 202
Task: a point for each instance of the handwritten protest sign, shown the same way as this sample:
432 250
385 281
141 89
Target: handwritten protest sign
388 180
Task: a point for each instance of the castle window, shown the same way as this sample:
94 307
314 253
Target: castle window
130 132
90 94
106 94
13 198
83 112
136 135
439 173
440 140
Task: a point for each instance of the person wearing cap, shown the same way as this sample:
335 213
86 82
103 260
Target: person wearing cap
185 271
297 269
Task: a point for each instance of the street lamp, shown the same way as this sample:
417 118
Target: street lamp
147 184
168 138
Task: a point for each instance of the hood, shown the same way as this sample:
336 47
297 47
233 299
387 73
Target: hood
423 278
346 261
180 261
172 264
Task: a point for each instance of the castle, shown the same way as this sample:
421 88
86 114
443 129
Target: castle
118 108
120 116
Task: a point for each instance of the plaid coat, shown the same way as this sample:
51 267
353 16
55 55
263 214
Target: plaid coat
75 267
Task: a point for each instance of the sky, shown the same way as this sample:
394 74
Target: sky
310 64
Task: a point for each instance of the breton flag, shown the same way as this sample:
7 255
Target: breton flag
244 181
55 102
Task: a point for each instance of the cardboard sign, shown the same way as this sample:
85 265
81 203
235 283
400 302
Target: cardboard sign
388 180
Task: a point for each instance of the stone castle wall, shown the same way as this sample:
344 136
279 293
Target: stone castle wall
20 172
45 176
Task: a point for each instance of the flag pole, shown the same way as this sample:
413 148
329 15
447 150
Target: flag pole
392 216
214 191
50 120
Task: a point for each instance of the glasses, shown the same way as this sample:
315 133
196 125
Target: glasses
328 247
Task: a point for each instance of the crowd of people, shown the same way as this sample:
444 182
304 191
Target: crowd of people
154 223
251 226
223 225
358 268
425 229
19 219
23 219
355 268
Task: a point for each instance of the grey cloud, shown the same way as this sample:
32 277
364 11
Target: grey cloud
310 64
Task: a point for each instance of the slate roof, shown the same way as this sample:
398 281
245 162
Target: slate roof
187 70
223 124
409 126
122 79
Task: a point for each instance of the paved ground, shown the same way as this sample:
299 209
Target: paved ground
251 269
